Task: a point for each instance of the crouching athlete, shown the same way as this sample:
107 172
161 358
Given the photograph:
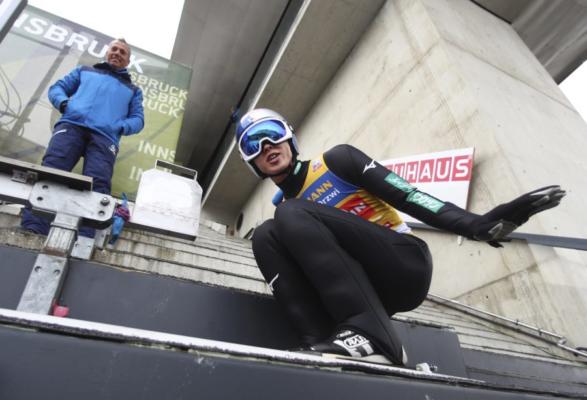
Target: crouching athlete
337 256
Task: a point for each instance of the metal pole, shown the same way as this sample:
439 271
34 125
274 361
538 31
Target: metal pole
532 238
550 337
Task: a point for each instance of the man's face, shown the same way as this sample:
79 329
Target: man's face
118 54
274 158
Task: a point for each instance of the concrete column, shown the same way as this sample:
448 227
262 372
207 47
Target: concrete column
432 75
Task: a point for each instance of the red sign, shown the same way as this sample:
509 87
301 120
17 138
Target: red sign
434 169
445 175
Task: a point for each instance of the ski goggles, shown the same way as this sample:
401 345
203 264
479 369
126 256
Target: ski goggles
251 141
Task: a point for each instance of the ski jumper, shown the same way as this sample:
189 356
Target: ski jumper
99 105
338 255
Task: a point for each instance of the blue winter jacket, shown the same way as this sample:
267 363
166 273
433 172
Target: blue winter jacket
100 98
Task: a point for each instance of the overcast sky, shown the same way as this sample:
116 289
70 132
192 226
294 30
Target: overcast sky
152 26
147 24
575 88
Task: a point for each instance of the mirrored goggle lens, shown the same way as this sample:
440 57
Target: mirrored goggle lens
250 143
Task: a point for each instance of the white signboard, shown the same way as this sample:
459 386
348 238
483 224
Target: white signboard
445 175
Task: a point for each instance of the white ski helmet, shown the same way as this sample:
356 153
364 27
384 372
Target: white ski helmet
256 127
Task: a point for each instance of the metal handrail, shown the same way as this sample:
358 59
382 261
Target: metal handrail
543 240
564 242
550 337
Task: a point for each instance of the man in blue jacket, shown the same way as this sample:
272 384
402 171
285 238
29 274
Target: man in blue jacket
98 104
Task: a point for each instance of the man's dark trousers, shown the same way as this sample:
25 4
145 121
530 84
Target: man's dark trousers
67 145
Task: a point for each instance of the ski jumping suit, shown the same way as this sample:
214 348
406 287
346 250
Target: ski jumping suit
345 259
99 104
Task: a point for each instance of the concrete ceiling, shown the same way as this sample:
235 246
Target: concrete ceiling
223 41
555 30
282 54
326 33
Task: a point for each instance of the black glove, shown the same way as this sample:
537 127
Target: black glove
63 106
498 223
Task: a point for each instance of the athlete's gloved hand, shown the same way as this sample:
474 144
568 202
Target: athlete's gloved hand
498 223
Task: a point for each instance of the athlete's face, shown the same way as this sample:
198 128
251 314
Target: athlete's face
274 158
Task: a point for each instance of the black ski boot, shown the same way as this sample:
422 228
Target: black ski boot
351 345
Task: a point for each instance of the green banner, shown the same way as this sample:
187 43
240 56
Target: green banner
42 48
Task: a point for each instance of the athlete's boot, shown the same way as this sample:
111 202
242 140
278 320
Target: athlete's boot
349 344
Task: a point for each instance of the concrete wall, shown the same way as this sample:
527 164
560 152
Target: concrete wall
432 75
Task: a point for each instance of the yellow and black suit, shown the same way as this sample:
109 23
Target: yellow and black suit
337 255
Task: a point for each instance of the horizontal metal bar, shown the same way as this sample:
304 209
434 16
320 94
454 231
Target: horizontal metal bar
543 240
177 169
145 337
552 241
494 317
75 181
550 337
14 192
576 351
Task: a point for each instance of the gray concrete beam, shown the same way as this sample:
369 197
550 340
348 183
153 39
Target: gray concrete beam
555 30
223 42
319 45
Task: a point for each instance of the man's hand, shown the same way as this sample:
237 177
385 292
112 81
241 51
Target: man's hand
498 223
63 106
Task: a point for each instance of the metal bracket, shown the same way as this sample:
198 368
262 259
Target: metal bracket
29 177
70 206
48 273
9 167
62 235
101 236
95 209
44 284
67 197
83 248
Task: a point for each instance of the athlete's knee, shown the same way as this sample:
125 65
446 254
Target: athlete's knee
291 218
264 233
290 209
264 239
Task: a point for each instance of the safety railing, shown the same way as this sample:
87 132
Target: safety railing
550 337
543 240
